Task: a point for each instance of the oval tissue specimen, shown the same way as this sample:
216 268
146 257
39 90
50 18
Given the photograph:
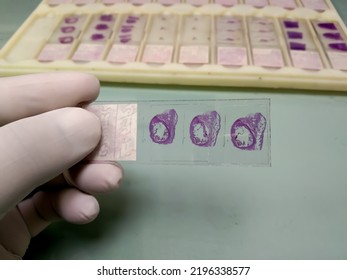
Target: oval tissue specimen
101 26
66 39
67 29
72 19
204 129
162 127
106 18
248 133
97 37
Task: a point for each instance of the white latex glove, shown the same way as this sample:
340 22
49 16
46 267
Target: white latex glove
43 133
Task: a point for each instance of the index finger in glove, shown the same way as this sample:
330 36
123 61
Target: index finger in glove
34 150
29 95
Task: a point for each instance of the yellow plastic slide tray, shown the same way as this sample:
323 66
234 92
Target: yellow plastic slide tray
246 43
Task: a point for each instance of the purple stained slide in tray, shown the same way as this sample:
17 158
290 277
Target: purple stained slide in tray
162 127
338 46
247 133
106 18
333 36
291 24
297 46
71 19
295 35
97 37
101 26
67 29
204 129
66 39
327 25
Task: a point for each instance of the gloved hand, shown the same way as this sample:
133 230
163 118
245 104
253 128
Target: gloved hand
44 136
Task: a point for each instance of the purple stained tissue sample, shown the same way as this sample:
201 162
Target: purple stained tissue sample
338 46
266 40
133 17
125 40
70 20
162 127
67 29
66 39
294 35
97 37
297 46
101 26
204 129
291 24
247 133
107 18
333 36
126 29
327 25
131 20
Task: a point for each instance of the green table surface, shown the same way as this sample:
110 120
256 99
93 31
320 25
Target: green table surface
295 209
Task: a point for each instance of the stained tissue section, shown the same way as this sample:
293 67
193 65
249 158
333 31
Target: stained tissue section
291 24
204 129
338 46
327 25
333 36
162 127
247 133
297 46
294 35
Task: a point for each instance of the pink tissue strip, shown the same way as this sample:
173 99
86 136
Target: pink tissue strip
168 2
88 52
53 52
83 2
123 53
226 3
194 54
338 60
318 5
119 132
57 2
287 4
109 2
157 54
232 56
306 60
257 3
268 57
